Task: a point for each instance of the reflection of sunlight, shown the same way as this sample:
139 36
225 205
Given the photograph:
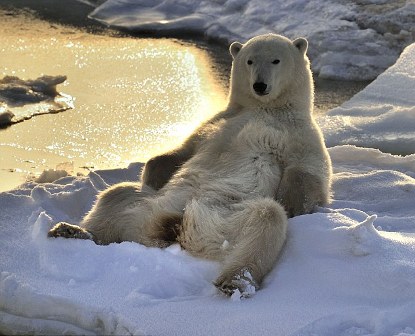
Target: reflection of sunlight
134 98
347 121
185 95
176 129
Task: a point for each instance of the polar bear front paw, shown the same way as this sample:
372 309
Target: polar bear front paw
239 286
300 192
66 230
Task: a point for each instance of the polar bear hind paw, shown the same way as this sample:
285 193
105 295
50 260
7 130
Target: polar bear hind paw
66 230
240 286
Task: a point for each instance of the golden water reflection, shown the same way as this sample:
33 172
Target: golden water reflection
134 98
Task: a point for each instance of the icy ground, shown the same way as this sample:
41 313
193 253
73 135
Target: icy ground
350 39
348 269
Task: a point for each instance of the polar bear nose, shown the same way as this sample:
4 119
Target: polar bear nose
260 88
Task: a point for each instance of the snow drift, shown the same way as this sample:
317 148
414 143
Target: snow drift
345 268
348 269
382 115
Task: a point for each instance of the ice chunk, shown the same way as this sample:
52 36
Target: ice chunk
23 99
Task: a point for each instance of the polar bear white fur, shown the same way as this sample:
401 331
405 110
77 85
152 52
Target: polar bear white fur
226 192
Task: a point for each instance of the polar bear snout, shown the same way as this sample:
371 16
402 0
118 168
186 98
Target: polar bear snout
260 88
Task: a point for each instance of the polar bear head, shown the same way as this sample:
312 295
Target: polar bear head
270 70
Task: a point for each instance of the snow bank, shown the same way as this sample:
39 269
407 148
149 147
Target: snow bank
382 115
346 269
348 39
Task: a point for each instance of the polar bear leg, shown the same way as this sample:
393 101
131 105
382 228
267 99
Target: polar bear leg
247 237
100 223
259 232
126 213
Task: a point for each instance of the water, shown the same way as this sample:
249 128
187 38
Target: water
134 97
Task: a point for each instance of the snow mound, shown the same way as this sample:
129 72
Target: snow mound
382 115
27 311
364 322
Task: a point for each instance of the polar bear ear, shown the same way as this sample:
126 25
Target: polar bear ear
235 48
301 44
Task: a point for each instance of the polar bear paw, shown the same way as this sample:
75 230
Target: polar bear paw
66 230
239 286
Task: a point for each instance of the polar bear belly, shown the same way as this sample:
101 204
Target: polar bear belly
249 166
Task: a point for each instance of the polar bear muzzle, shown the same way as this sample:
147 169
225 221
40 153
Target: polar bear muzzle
260 88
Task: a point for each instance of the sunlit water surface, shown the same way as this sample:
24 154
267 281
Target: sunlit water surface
134 98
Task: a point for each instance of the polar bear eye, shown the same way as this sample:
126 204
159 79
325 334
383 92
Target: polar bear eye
276 61
249 62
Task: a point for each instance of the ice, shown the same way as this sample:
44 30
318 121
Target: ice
51 175
23 99
382 115
348 39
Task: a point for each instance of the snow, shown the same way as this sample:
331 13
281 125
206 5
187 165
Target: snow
382 115
348 269
349 39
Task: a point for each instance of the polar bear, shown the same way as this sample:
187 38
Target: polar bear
227 192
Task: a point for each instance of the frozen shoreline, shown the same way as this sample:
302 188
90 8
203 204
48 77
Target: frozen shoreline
352 40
